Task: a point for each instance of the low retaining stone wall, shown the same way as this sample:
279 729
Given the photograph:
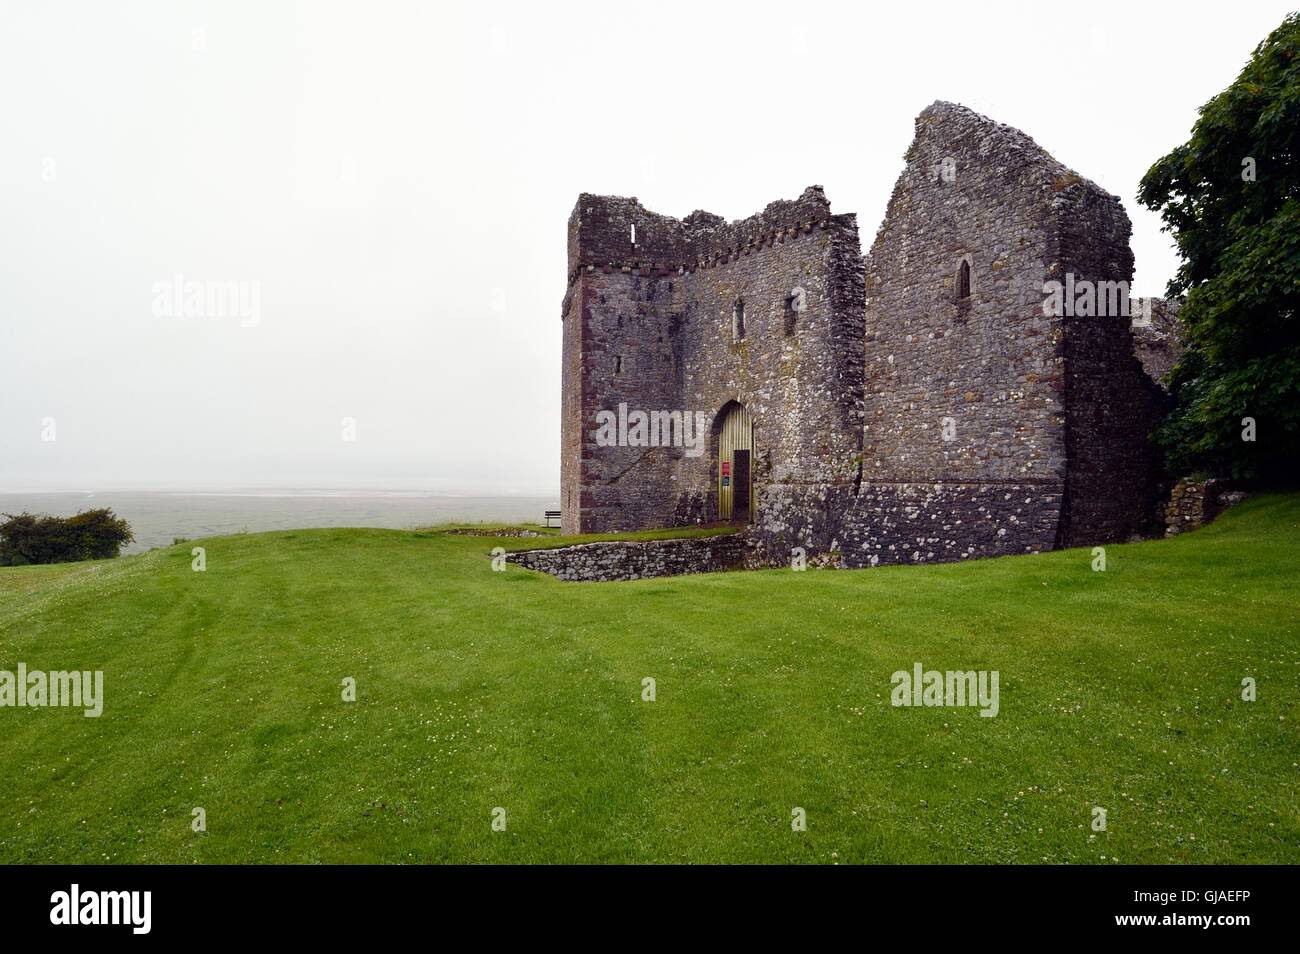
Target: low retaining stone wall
1194 503
494 532
1191 504
635 559
902 523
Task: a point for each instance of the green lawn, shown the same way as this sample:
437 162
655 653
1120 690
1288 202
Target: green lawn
479 689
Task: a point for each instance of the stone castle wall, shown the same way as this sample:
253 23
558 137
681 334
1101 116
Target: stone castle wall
1158 343
895 418
964 452
1112 406
642 333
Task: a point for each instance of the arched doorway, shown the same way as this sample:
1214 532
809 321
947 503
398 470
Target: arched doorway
735 458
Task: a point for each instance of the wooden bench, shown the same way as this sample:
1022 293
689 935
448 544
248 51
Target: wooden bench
552 515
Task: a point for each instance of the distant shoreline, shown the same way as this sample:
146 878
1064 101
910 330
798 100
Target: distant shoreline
160 516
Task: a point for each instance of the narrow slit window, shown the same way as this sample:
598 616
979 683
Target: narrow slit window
738 320
795 302
963 281
618 364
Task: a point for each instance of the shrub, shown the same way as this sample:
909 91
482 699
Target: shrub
91 535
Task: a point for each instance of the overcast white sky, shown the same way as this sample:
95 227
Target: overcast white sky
396 179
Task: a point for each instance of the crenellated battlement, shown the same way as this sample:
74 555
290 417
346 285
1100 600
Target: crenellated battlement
613 233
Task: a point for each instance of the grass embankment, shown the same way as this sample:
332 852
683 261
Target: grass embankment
478 689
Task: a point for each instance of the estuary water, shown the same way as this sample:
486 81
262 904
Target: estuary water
158 517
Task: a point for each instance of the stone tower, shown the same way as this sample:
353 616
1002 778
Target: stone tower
698 316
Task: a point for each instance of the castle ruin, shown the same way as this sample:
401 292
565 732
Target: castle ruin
921 403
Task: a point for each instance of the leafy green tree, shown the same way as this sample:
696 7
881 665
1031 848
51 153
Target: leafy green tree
1231 198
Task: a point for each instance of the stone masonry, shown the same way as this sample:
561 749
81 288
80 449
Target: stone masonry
1193 503
1158 342
919 403
635 559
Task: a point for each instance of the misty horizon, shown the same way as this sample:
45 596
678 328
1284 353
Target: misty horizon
373 206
